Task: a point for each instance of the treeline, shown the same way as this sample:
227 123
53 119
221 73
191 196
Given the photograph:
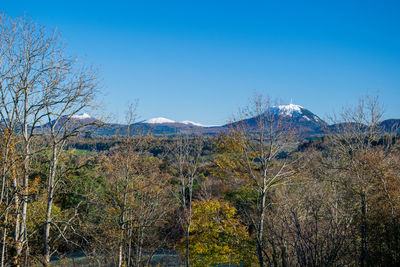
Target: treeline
256 196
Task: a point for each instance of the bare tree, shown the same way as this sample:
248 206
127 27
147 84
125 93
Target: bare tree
67 91
186 160
27 61
257 148
137 199
8 195
356 137
38 84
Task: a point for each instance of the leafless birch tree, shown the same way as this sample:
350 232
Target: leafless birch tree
67 92
38 85
257 148
186 159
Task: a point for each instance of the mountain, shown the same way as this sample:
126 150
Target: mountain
292 116
387 126
84 118
391 125
343 127
303 121
161 120
164 126
83 123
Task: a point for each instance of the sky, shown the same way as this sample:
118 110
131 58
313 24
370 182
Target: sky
203 60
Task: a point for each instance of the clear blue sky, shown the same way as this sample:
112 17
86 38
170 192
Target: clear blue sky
201 60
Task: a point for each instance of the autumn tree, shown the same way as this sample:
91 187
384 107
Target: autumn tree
10 162
137 197
217 236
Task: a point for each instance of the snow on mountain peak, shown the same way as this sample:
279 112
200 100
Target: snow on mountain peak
288 110
81 117
159 120
192 123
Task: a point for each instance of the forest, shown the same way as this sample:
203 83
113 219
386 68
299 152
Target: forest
257 195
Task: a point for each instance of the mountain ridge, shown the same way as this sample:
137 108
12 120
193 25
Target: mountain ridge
303 121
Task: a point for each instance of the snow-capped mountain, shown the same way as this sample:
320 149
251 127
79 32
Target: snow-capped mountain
290 116
297 111
193 123
161 120
164 126
295 116
73 120
81 117
288 110
306 123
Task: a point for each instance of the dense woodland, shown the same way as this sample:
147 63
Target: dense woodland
258 195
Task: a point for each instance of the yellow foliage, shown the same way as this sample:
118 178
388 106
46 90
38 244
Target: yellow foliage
37 213
216 236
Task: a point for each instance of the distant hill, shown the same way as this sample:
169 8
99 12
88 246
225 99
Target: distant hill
391 125
388 126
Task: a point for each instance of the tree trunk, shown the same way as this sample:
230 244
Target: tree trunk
4 171
187 246
50 196
120 255
17 223
3 247
364 254
25 183
4 197
260 230
189 221
121 244
139 245
129 256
